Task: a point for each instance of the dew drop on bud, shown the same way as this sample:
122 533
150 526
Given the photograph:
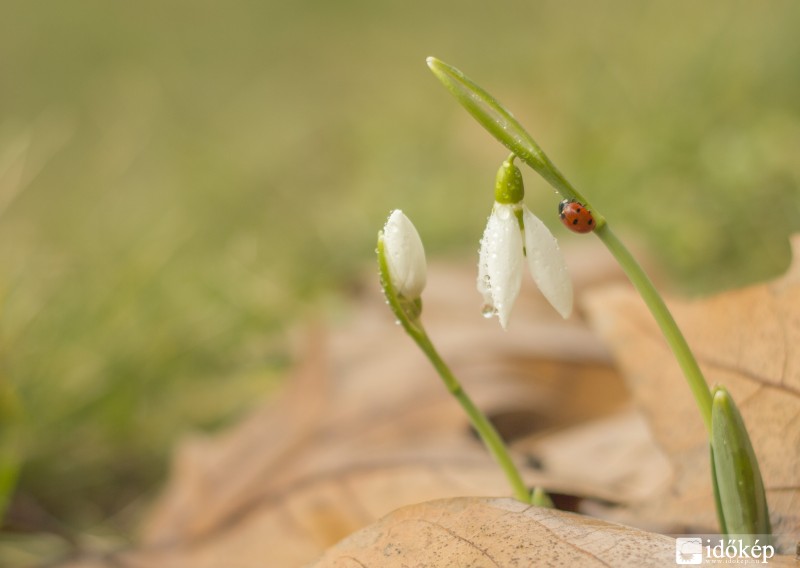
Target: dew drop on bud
504 212
488 310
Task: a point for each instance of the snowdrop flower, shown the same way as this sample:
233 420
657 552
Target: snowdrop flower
513 234
405 256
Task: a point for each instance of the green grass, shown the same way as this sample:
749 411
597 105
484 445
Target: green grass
181 182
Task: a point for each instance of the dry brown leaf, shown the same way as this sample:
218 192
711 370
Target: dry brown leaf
499 532
744 339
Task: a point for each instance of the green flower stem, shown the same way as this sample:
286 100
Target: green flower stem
407 312
663 317
502 125
485 430
738 487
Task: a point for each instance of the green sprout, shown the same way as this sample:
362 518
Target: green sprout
738 487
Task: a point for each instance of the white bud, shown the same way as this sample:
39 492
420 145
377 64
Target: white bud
405 255
546 264
500 263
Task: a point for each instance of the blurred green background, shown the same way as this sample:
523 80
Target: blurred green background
181 182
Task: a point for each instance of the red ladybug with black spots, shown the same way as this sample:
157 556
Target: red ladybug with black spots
575 216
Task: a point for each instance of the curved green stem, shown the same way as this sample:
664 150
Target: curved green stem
662 315
738 487
485 429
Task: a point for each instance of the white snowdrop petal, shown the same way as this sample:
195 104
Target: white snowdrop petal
484 286
405 255
500 269
546 264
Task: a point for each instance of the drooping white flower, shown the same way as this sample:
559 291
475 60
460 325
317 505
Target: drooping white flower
513 233
405 255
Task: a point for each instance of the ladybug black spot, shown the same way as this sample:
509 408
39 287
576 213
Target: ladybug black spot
590 221
574 221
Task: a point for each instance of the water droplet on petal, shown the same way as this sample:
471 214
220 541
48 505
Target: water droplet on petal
503 212
488 311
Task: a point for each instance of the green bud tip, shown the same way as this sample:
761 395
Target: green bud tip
738 485
509 188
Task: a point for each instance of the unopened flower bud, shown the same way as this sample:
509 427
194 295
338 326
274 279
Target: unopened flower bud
738 485
405 256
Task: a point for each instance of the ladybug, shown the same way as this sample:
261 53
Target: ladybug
575 216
